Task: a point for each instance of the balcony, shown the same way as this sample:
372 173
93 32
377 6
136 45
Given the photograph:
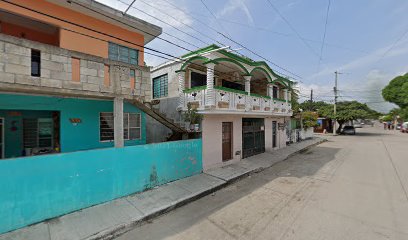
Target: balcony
228 100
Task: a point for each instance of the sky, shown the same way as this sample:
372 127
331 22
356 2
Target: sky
366 41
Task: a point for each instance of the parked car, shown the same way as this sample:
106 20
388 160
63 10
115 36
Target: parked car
358 125
348 130
404 127
398 127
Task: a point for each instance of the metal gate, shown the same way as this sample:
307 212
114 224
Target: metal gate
253 136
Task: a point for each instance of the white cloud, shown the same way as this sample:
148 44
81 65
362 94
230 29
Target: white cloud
372 58
232 6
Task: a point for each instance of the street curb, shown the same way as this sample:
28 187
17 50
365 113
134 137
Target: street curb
112 233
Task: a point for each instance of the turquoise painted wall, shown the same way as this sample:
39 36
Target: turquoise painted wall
41 187
83 136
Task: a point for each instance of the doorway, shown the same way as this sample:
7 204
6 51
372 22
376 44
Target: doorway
1 138
226 141
253 135
274 132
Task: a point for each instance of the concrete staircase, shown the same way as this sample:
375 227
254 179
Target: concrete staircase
178 131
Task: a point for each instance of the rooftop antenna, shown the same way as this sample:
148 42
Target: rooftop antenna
130 5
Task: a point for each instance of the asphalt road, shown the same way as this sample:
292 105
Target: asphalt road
351 187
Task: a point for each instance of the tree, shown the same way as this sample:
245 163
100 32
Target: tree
313 106
397 91
309 119
348 111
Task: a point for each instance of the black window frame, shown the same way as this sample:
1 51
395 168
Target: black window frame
35 63
198 80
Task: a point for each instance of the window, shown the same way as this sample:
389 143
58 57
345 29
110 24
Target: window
123 54
37 132
35 63
131 126
233 85
275 92
160 86
106 127
198 79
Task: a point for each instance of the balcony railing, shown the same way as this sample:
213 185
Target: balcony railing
232 100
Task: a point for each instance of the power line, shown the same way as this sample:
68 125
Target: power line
102 33
144 46
325 31
230 39
291 27
186 25
168 24
216 20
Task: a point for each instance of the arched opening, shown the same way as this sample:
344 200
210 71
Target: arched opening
229 75
259 82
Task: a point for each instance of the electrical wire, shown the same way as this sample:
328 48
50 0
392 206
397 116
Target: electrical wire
291 27
215 30
325 31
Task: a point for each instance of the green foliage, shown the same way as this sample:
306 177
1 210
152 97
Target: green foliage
309 119
401 113
397 91
387 118
347 111
191 115
313 106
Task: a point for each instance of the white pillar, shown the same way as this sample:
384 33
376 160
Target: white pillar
210 96
248 101
286 95
270 90
118 122
181 79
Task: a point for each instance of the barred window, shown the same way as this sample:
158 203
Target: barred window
123 54
131 126
160 86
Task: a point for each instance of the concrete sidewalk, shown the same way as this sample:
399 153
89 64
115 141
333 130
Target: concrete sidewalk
105 221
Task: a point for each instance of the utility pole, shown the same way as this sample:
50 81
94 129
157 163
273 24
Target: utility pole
335 102
311 95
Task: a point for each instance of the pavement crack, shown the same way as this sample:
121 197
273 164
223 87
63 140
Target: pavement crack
395 169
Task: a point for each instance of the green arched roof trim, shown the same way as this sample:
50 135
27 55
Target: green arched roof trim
240 59
263 70
217 60
281 81
183 67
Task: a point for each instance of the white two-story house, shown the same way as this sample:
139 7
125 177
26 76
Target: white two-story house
244 103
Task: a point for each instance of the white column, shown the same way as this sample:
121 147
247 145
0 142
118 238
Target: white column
248 84
210 96
118 121
270 90
286 95
181 79
248 90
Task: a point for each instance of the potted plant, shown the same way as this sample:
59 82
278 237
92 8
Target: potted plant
193 118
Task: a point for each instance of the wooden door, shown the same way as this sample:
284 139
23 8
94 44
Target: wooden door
226 141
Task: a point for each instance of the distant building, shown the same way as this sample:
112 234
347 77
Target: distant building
245 104
68 69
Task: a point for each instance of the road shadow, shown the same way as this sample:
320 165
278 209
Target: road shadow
304 164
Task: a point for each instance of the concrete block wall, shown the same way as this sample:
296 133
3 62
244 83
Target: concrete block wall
56 72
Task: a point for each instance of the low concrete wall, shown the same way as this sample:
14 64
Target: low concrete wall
43 187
